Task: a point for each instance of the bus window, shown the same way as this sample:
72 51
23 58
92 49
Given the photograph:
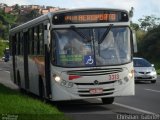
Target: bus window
21 43
35 40
41 39
74 49
38 41
18 44
31 42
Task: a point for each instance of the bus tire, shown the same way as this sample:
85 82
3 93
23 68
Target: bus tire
109 100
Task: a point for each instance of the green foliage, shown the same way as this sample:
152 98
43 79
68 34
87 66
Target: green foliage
134 26
149 22
26 17
150 45
140 35
6 20
3 45
148 39
14 103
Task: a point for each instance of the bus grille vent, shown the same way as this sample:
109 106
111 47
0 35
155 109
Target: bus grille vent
100 83
93 72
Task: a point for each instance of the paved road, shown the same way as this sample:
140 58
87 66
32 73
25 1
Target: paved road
147 97
5 75
146 101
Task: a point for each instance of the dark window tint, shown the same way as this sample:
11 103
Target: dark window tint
41 39
21 43
35 40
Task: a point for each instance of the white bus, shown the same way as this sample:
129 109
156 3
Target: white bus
75 54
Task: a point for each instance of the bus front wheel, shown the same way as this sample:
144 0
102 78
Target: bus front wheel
107 100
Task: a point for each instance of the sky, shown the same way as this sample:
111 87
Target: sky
141 7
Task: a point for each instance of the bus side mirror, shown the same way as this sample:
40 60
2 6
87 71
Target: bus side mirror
134 42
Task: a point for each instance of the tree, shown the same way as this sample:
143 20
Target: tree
34 14
16 8
150 44
149 22
134 26
5 21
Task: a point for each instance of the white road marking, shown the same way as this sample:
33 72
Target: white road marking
133 108
152 90
7 71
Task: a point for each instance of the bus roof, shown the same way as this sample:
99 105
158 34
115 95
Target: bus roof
49 15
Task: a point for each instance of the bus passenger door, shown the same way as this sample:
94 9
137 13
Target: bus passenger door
47 60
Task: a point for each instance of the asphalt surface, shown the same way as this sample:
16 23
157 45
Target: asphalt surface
5 75
146 101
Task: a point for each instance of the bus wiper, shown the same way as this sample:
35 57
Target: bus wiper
81 34
105 34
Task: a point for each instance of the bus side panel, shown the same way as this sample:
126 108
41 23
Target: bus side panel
20 71
33 74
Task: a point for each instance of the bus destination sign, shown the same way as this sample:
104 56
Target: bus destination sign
90 18
80 17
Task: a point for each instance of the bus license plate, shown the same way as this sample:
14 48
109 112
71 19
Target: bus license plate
96 90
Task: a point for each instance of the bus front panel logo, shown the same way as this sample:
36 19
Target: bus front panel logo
96 82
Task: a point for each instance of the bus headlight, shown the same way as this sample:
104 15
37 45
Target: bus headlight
131 74
57 79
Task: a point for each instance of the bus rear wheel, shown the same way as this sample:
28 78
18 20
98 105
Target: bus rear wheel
109 100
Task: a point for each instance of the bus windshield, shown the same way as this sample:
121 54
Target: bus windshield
80 47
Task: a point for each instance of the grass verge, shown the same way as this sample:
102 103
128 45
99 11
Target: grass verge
14 105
